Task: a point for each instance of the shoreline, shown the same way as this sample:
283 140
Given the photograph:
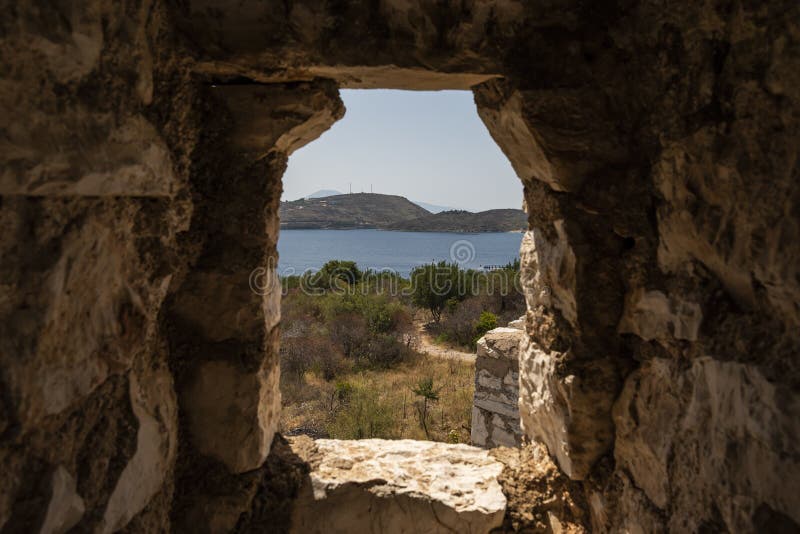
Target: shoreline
465 232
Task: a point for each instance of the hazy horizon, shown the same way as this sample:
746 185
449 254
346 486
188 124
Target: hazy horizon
426 146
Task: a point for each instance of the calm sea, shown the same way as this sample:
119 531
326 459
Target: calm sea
301 250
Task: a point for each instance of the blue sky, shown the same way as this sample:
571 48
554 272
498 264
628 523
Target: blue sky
429 146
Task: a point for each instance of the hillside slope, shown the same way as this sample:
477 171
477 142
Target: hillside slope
502 220
358 210
323 193
433 208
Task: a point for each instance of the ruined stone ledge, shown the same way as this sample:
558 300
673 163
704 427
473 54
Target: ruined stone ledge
500 343
386 486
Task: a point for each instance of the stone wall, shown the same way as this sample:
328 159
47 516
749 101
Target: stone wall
138 341
495 409
143 142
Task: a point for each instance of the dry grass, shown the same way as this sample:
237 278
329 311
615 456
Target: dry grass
380 403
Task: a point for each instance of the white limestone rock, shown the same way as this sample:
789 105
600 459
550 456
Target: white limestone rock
550 405
548 275
153 402
500 343
652 315
486 380
692 423
394 486
66 507
500 436
493 404
233 414
518 324
478 433
514 135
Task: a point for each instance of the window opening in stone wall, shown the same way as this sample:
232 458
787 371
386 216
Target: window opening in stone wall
399 259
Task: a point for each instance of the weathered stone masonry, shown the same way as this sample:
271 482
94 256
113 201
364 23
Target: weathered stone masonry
495 409
143 142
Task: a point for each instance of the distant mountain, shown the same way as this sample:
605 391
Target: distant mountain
358 210
504 220
433 208
322 193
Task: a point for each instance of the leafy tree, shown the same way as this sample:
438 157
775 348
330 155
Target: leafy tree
433 285
336 274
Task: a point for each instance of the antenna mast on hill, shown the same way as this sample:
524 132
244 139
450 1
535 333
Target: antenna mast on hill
351 188
370 188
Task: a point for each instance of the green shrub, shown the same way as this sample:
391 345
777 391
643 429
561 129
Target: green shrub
379 313
371 330
487 321
384 351
349 331
364 415
298 307
454 436
291 282
330 364
310 353
334 275
343 390
460 326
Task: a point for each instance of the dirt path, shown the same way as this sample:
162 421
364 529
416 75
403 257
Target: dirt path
425 344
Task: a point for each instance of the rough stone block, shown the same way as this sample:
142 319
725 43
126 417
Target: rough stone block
479 435
153 403
670 444
486 380
518 324
500 343
566 413
399 486
501 436
66 507
233 413
496 394
494 406
652 315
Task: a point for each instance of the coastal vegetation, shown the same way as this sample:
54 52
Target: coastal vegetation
351 361
502 220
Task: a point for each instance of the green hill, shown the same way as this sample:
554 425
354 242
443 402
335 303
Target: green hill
392 212
502 220
357 210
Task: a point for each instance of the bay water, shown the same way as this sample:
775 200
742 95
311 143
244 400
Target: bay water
400 252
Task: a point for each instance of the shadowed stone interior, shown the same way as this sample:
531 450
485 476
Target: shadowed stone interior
143 144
